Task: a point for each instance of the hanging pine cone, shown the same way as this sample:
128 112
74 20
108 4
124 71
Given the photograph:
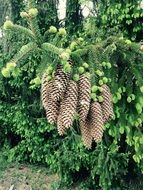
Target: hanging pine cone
96 121
86 134
84 97
52 111
45 90
60 84
68 106
107 105
51 107
60 126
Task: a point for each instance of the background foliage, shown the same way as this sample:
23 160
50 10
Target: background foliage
118 17
114 164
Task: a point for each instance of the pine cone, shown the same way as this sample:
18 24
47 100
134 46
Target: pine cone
45 90
96 121
60 83
84 97
86 134
52 111
60 126
68 106
51 107
107 105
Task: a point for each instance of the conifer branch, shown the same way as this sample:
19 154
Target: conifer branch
32 18
80 52
23 30
35 29
51 48
24 51
31 4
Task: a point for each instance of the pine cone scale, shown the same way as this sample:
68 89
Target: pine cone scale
69 105
86 134
107 105
84 97
60 83
97 121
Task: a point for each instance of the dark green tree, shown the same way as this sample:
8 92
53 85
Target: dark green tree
16 8
74 18
5 10
47 14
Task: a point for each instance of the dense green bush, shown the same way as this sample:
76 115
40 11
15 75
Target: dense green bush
114 163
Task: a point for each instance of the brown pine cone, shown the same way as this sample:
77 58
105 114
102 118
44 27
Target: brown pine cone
60 83
107 105
96 121
68 106
86 134
51 107
45 90
84 97
60 126
52 111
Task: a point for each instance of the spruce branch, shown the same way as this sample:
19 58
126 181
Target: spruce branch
80 52
76 58
51 48
77 55
32 13
24 51
35 29
23 30
31 4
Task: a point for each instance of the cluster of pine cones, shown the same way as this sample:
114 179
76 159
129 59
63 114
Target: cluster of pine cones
63 98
